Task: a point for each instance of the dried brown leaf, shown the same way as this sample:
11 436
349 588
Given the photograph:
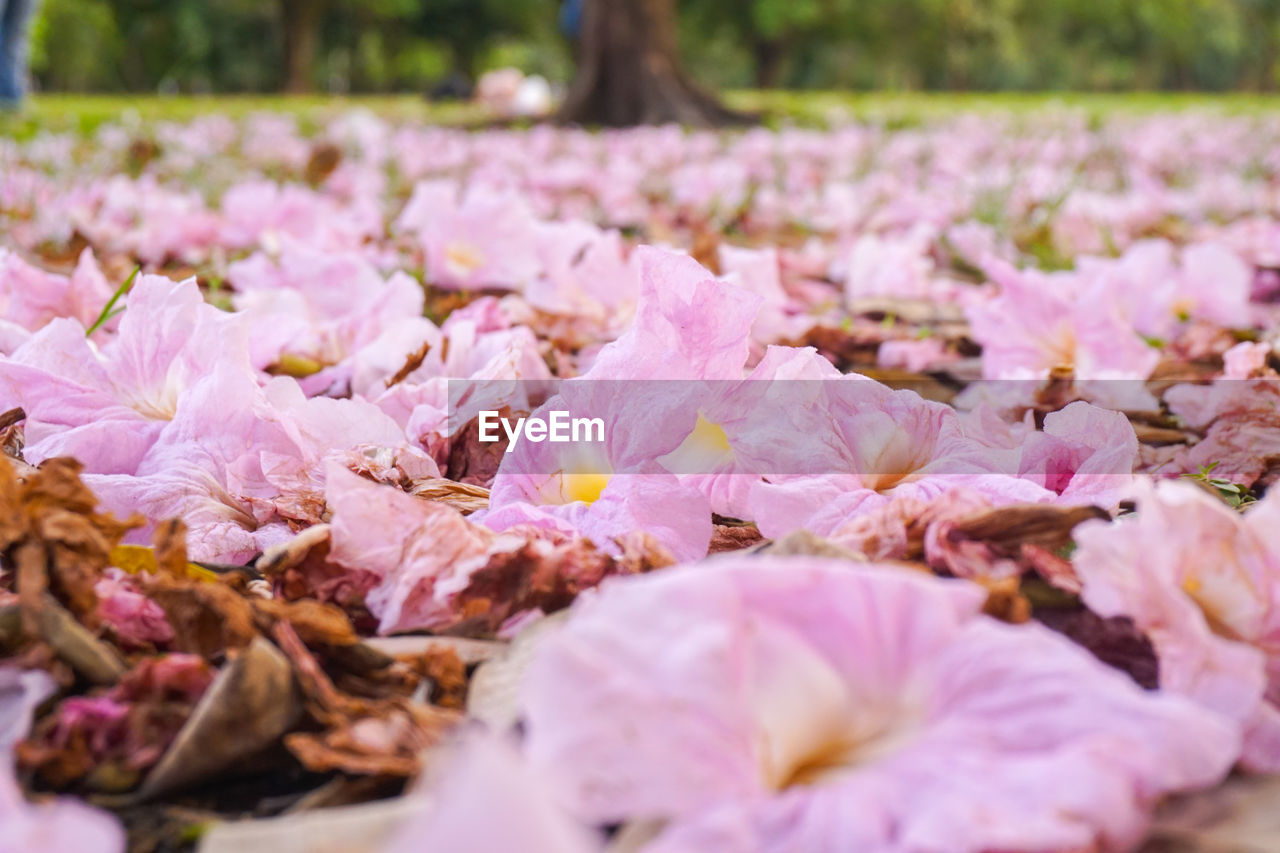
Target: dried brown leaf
411 363
802 543
382 736
734 538
208 617
50 532
466 498
315 622
539 574
1011 527
249 706
91 658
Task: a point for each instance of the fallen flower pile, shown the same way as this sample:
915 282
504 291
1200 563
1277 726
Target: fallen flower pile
929 507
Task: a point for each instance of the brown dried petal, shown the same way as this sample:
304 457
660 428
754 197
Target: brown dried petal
315 622
208 617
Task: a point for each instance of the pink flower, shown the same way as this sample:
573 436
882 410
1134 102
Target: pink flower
604 507
1085 454
750 428
414 549
1160 293
1246 359
316 304
31 298
896 267
585 274
688 325
484 778
1216 286
202 468
146 220
135 619
869 445
759 271
1203 582
238 460
488 239
259 213
1040 322
916 356
775 704
605 490
1241 420
106 406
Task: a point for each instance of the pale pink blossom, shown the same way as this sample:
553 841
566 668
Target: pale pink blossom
484 778
1041 322
412 550
762 704
31 298
1246 359
487 239
319 305
1202 581
688 325
107 405
870 444
916 356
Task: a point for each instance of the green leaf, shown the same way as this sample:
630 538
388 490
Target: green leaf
109 310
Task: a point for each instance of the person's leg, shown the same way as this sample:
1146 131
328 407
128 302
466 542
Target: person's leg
14 18
7 93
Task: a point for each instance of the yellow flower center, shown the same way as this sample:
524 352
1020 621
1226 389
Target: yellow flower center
583 487
703 450
811 723
1229 601
709 435
1061 348
462 259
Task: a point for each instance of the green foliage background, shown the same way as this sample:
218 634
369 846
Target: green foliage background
405 45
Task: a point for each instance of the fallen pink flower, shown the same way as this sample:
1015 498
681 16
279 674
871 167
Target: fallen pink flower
1203 582
486 776
774 704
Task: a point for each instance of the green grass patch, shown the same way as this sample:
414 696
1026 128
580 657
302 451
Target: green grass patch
85 113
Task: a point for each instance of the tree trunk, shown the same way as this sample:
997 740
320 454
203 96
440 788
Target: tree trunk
768 55
1269 60
629 71
301 22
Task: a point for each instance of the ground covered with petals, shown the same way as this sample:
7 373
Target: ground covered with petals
913 493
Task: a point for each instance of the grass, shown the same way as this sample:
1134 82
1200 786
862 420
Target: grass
84 113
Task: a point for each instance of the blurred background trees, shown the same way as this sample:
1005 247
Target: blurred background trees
409 45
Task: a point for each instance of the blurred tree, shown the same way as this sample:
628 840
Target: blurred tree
470 26
1262 18
300 22
772 30
75 46
629 70
387 45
